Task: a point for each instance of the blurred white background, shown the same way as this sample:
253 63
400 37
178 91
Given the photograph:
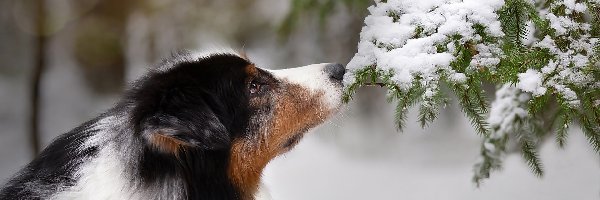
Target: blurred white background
94 47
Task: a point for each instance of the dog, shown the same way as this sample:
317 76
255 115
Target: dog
199 126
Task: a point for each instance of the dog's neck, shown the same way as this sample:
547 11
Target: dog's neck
193 174
202 173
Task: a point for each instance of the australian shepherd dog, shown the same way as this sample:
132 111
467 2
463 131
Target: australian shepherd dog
199 126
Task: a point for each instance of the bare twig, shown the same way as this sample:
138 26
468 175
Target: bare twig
375 84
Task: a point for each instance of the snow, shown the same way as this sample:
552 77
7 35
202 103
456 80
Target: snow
508 106
458 78
506 118
403 36
487 56
571 6
559 23
418 40
568 66
489 146
531 81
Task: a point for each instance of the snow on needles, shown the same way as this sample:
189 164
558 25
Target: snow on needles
508 106
531 81
413 45
571 46
413 38
417 41
508 116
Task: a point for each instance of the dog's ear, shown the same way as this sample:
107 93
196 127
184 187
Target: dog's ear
191 104
171 134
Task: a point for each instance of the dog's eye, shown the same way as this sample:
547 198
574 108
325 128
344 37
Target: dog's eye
254 87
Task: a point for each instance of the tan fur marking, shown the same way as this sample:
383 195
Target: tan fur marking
295 111
167 144
251 71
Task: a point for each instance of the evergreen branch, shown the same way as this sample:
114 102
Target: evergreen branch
518 61
400 115
485 37
590 105
537 127
405 101
537 103
559 62
563 120
470 109
542 25
492 149
514 18
506 120
361 77
531 156
591 132
429 108
375 84
463 55
426 114
477 94
594 8
588 117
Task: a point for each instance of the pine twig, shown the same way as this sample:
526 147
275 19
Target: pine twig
375 84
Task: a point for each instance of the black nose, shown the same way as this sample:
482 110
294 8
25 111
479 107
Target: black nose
335 71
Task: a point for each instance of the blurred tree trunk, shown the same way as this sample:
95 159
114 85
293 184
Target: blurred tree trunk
38 70
99 45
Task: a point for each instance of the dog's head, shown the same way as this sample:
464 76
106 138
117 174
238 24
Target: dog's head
222 102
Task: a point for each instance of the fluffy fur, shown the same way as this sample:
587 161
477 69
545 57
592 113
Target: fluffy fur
200 126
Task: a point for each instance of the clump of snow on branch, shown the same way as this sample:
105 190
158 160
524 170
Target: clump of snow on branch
509 105
413 38
531 81
508 116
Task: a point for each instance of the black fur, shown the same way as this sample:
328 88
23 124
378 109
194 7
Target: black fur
55 165
203 103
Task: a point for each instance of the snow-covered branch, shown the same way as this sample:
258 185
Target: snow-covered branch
536 52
